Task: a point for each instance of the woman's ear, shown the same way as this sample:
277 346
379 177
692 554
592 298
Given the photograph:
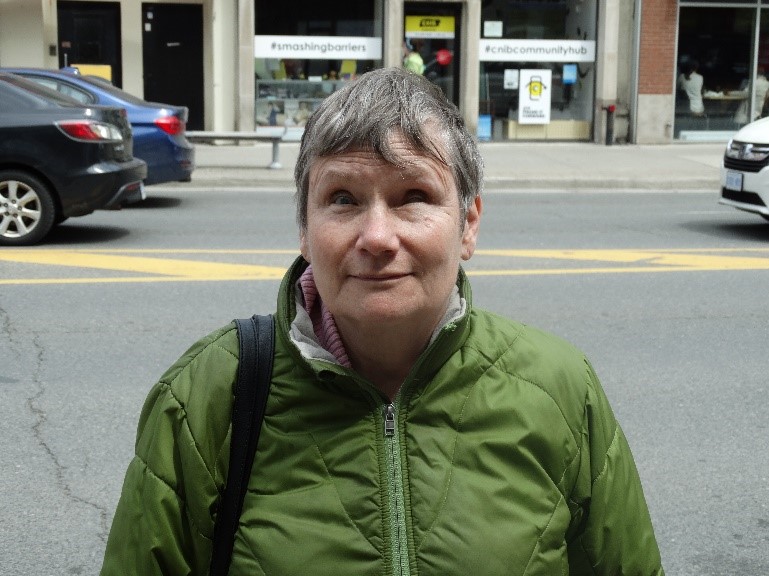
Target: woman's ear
472 225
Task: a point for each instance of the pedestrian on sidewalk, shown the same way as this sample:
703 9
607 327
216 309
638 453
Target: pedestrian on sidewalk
406 430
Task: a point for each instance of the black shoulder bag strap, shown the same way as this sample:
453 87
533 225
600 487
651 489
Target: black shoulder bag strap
255 336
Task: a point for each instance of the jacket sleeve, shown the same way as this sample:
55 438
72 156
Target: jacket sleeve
613 533
163 524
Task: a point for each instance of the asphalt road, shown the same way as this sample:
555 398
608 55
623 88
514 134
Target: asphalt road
665 292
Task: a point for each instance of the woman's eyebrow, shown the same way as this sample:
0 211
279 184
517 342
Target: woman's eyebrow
421 175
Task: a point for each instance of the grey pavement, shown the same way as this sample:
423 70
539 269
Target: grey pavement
520 166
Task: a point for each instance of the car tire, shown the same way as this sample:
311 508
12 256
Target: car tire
27 209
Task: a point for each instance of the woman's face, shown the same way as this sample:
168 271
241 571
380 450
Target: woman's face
385 242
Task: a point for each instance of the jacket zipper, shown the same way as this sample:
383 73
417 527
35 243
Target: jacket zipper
398 542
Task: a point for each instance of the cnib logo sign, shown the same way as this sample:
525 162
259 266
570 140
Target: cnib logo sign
429 22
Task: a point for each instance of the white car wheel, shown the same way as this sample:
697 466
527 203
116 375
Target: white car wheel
27 210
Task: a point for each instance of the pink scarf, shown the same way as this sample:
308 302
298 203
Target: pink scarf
322 321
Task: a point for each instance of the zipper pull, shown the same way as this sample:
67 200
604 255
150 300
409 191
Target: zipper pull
389 420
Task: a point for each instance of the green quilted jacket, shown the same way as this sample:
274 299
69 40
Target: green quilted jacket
499 456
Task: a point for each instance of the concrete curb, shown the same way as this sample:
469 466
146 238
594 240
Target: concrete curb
265 178
509 167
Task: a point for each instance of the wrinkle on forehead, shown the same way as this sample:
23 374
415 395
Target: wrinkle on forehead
400 150
412 165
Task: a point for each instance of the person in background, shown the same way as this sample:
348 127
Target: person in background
761 87
412 59
691 82
302 113
761 90
406 430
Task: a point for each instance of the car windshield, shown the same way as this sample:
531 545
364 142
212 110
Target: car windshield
45 94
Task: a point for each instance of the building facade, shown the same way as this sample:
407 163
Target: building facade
527 70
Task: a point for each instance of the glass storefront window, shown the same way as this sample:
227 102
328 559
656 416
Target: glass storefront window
537 69
431 46
303 54
716 75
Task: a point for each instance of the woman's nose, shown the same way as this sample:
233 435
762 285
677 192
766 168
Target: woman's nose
379 231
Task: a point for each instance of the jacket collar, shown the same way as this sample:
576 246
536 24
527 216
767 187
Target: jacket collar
294 326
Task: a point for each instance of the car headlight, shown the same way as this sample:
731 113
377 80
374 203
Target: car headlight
733 149
749 152
755 153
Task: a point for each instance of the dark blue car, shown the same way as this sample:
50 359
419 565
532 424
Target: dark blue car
158 129
59 158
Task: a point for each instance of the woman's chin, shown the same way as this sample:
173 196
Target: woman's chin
380 314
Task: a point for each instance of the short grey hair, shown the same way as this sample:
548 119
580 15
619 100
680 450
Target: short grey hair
366 113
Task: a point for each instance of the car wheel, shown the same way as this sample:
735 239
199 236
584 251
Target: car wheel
27 211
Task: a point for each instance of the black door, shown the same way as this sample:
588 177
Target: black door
432 29
89 33
173 57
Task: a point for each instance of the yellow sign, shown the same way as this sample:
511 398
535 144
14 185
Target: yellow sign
535 89
101 70
429 27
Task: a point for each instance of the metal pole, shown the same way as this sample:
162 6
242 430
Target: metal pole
610 109
275 155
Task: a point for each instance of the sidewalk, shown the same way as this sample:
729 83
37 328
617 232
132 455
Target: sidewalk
509 166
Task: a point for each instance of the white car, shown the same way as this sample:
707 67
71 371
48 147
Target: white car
745 169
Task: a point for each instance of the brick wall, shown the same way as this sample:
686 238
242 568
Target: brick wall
657 46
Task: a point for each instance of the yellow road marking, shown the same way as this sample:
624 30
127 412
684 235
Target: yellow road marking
161 265
654 260
182 251
119 280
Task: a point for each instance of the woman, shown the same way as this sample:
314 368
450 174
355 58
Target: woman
405 430
691 82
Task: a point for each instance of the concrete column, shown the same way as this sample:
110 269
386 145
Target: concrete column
393 34
220 78
246 82
470 69
50 34
132 47
607 42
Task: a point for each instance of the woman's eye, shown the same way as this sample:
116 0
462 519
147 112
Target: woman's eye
341 199
415 196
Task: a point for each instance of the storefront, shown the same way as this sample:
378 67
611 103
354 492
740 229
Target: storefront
304 54
537 70
533 62
517 69
722 66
